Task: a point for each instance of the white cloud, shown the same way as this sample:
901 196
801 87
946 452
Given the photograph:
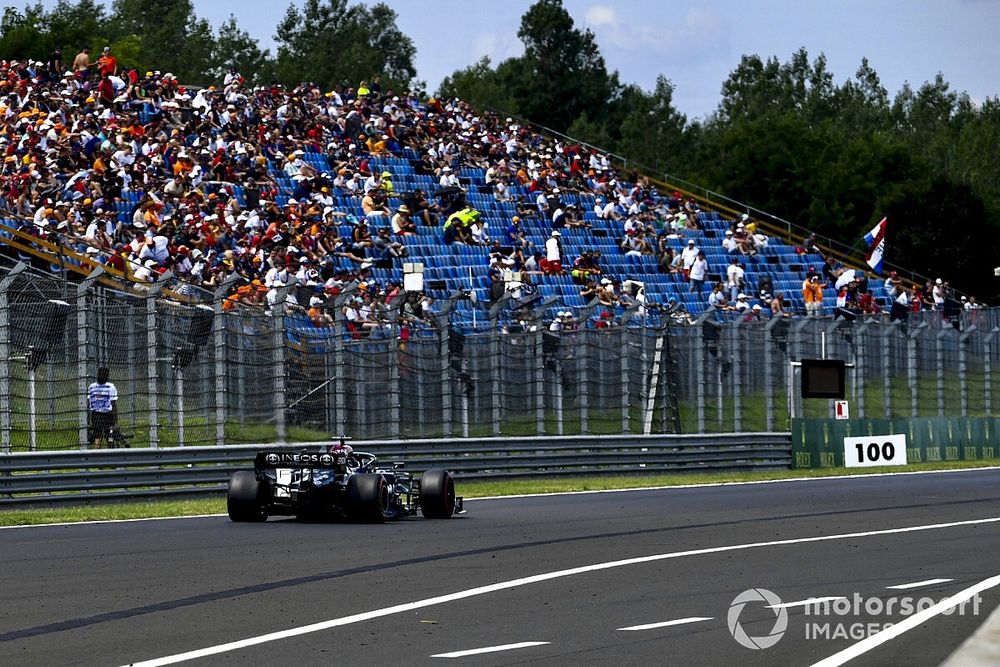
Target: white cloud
697 34
498 47
600 15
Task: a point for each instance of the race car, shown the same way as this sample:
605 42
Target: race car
337 482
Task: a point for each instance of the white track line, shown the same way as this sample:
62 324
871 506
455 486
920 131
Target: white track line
705 485
907 623
488 649
567 493
665 624
806 603
526 581
918 584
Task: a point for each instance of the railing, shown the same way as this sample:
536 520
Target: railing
65 477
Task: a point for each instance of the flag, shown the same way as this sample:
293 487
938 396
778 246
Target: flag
876 245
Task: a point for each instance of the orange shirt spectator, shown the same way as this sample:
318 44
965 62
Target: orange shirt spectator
107 64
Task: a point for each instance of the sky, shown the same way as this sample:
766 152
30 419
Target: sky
697 44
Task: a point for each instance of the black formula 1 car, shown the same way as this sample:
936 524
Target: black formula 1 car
337 483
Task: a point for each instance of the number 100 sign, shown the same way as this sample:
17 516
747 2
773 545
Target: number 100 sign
875 450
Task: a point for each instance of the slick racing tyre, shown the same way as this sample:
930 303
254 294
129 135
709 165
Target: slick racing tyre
437 494
245 499
367 498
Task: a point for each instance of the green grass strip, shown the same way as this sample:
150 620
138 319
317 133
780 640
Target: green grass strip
471 489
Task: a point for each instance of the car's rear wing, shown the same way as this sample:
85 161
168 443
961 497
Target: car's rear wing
273 460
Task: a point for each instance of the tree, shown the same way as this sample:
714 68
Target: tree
236 49
652 131
478 84
331 42
562 72
171 36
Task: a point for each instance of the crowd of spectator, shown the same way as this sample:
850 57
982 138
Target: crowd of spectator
81 142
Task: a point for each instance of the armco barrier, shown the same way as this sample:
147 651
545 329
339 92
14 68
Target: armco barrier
66 477
819 443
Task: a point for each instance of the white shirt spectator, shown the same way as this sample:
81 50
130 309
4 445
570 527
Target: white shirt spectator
729 243
689 254
844 279
938 294
552 249
734 275
698 268
448 179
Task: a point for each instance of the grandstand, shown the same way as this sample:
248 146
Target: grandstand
450 268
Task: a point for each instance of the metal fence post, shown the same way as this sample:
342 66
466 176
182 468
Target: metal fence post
152 363
494 378
5 403
795 339
700 360
536 342
393 371
769 344
83 349
623 357
939 358
963 371
582 387
444 354
736 371
339 388
279 373
885 332
911 367
219 327
987 371
860 368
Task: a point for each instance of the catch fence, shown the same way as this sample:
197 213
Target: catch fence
195 373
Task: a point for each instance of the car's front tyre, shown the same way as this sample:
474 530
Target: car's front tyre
437 494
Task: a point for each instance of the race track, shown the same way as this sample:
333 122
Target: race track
542 580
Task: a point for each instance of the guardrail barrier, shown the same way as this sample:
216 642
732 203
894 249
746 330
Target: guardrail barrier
105 474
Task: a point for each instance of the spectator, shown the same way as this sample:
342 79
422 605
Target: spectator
553 254
688 255
717 299
696 275
82 64
777 306
812 294
893 285
742 303
939 293
402 223
729 243
102 402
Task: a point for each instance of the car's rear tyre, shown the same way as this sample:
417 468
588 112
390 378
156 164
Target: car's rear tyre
437 494
367 498
245 498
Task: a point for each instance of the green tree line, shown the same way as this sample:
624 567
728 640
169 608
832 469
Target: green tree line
329 42
786 137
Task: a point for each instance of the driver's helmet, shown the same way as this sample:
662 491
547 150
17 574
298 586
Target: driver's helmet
340 448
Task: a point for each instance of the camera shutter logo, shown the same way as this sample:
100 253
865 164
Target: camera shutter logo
736 608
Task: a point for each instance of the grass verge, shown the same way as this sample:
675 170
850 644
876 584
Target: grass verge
470 489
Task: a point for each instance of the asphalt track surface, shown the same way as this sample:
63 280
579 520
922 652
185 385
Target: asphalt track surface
118 593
